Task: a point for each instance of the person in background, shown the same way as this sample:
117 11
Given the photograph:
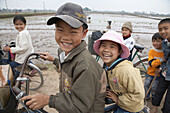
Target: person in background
155 59
126 87
164 70
23 45
82 80
128 39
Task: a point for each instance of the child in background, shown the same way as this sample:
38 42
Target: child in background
23 43
155 60
164 70
128 39
125 81
82 79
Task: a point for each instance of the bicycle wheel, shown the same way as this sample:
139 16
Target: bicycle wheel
142 65
36 79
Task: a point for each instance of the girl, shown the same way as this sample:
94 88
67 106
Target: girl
126 85
23 43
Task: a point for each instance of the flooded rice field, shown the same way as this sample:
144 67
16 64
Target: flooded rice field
43 35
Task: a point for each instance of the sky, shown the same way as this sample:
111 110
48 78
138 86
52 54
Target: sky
157 6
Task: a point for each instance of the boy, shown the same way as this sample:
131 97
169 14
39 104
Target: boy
128 40
164 82
155 60
82 79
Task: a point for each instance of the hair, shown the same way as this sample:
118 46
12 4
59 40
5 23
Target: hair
19 17
84 27
157 36
166 20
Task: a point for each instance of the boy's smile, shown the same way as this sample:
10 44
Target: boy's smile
157 44
68 37
164 30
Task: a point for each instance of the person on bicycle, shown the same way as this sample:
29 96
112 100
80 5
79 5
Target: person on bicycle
126 87
128 39
155 59
164 70
82 80
23 44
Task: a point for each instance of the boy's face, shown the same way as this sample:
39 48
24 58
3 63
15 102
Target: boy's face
125 31
68 37
19 25
109 52
164 30
157 43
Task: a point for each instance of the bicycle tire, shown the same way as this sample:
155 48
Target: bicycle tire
139 64
36 80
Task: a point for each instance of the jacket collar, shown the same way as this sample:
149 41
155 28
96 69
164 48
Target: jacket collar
75 51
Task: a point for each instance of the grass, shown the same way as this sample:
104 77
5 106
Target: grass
9 15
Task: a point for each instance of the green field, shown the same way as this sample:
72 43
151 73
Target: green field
9 15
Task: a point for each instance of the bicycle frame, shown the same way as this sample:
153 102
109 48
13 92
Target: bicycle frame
20 94
136 54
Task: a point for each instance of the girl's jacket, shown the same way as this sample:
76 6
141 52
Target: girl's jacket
126 82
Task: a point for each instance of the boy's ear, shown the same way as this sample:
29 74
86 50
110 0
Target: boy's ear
84 33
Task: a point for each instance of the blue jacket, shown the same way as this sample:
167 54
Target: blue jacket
166 65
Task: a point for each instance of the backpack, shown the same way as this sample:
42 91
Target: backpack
95 35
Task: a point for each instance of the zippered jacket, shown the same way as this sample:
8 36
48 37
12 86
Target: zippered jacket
82 83
126 82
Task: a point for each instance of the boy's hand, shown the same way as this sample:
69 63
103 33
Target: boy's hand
6 48
36 101
112 95
46 56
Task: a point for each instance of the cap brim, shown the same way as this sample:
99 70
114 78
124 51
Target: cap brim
75 23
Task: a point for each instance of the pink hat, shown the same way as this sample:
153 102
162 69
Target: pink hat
115 37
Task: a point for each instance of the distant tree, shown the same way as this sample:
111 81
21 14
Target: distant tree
86 9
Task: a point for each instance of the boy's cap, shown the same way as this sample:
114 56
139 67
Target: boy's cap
71 13
127 25
115 37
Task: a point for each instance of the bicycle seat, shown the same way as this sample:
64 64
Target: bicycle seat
138 48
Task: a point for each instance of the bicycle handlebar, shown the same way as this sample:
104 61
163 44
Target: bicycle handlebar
24 65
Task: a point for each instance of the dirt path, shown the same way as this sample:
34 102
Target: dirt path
51 86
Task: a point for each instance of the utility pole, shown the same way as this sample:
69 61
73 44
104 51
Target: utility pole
6 6
43 6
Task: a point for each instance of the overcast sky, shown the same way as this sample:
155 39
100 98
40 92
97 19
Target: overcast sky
158 6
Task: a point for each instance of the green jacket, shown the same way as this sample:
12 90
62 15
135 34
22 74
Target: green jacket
82 84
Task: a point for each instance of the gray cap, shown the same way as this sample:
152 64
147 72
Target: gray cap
72 14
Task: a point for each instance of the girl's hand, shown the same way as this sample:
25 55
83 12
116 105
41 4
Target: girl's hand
112 95
36 101
6 48
46 56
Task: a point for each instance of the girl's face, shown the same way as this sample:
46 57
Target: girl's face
19 25
125 31
109 52
157 43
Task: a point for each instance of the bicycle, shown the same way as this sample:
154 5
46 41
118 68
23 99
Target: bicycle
19 94
36 79
16 93
141 63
